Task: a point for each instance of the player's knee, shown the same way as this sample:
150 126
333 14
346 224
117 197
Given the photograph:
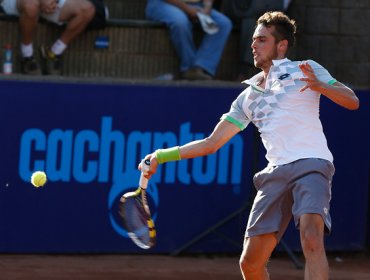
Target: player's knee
312 241
249 266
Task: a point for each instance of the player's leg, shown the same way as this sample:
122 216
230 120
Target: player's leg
312 195
312 239
256 252
268 220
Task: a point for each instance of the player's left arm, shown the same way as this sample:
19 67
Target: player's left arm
337 92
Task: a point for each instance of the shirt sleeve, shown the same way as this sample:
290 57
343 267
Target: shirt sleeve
236 115
321 73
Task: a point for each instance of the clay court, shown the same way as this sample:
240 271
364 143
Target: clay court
155 267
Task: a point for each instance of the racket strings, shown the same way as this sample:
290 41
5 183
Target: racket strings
137 222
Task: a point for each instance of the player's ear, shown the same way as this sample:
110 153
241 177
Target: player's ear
283 45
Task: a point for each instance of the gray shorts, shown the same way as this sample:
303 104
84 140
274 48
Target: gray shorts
293 189
10 8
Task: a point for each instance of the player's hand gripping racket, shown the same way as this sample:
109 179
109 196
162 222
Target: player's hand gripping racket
135 213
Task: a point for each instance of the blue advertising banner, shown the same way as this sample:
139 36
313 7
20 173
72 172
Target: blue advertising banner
89 138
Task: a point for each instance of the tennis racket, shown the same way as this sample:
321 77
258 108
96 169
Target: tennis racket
135 213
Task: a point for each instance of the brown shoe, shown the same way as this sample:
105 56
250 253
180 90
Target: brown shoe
196 73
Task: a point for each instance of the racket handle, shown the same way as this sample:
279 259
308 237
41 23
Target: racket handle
143 183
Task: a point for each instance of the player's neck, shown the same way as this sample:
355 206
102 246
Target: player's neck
261 83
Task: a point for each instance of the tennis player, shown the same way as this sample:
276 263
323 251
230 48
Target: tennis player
282 101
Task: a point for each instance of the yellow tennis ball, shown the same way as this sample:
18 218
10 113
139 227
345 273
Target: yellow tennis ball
38 179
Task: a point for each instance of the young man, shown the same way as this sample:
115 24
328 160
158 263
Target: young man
196 63
283 102
75 14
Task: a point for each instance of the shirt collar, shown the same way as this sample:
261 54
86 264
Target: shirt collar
254 80
277 62
258 77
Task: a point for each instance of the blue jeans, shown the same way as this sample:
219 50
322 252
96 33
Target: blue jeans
208 55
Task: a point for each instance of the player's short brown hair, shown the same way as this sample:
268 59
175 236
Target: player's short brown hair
285 28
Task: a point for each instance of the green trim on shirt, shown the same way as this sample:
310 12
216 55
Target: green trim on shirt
257 88
332 81
233 121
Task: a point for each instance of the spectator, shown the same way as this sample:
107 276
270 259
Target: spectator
75 14
246 12
180 15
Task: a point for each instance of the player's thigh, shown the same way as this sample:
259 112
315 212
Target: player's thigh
312 191
257 249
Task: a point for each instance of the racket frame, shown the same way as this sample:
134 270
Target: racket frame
140 194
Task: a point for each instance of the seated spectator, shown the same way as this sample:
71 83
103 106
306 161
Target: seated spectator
196 63
246 13
75 14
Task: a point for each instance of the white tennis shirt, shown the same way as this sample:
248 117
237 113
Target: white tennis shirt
287 119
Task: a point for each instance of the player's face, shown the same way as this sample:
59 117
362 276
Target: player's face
264 47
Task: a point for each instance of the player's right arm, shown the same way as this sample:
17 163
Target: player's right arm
221 134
